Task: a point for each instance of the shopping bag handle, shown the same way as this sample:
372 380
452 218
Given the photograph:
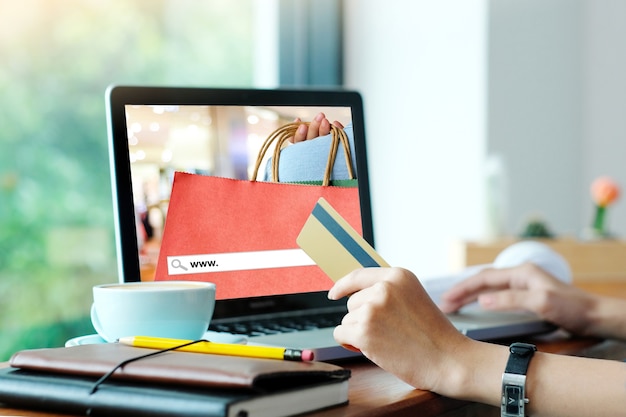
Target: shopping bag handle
281 135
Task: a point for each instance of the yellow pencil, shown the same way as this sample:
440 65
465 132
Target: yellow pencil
249 351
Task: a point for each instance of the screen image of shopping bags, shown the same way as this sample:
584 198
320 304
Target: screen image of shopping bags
241 235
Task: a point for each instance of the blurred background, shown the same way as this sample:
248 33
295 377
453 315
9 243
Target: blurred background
58 57
480 115
484 115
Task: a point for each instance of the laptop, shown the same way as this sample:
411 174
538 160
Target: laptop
154 132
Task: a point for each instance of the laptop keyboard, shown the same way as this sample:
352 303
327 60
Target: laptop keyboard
256 327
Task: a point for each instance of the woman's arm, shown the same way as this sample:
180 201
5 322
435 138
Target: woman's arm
531 288
395 324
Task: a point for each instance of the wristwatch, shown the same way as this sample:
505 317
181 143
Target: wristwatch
514 380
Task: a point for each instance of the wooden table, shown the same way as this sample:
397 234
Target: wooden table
374 392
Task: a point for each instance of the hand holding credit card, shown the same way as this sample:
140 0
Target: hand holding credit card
334 245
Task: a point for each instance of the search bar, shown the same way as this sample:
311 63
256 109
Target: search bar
237 261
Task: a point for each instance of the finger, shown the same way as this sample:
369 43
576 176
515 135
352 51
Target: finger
508 300
341 335
300 134
354 282
363 297
338 124
468 291
486 280
452 306
324 128
314 127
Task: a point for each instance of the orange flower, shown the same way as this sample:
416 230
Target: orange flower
604 191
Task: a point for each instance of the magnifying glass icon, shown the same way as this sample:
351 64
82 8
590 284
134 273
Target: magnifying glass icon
177 264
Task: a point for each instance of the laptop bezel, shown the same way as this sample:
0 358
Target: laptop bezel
118 97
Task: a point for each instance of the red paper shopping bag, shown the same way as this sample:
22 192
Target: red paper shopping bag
241 235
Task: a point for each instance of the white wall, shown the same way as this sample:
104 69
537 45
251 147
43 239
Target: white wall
535 112
446 83
421 67
604 105
557 106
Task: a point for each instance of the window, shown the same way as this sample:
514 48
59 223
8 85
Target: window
58 57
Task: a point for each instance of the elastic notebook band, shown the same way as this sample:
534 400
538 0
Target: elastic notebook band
106 376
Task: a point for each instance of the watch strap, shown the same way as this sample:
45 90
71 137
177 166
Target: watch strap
519 359
514 380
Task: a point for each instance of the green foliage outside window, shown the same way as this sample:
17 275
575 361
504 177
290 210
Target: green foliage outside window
57 58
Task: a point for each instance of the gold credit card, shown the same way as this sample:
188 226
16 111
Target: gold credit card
334 245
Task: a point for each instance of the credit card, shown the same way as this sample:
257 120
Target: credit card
334 245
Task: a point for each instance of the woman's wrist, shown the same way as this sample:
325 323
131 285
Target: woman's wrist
592 317
475 372
604 318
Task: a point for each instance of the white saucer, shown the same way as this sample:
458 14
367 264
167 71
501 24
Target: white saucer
217 337
91 339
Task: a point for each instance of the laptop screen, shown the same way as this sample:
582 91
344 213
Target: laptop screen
155 133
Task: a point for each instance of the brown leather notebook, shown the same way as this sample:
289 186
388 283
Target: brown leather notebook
194 369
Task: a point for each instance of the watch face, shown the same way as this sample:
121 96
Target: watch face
513 400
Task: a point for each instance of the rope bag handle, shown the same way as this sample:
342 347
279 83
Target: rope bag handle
281 135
